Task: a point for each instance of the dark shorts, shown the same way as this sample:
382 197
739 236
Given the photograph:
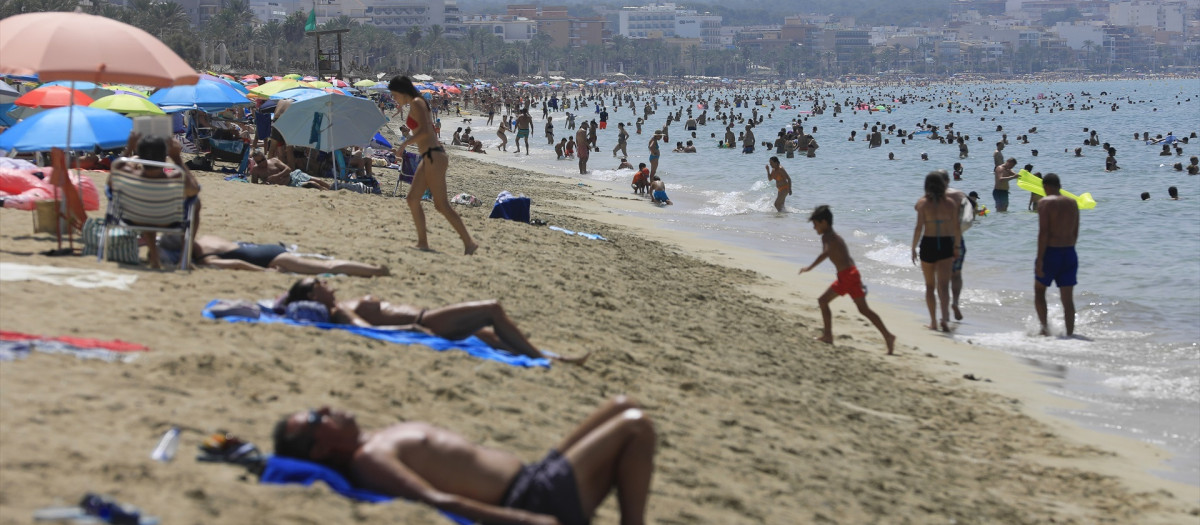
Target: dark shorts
1001 198
962 255
934 249
1059 265
547 487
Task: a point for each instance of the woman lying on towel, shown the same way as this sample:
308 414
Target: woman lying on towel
210 250
483 319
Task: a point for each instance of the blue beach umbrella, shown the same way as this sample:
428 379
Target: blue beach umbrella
208 95
298 94
89 127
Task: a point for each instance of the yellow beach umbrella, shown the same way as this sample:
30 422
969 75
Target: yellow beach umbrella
131 89
128 105
275 86
321 84
364 83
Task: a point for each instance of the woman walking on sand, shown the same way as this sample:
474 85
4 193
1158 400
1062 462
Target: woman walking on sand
431 172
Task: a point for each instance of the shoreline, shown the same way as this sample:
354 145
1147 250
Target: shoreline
757 422
1003 374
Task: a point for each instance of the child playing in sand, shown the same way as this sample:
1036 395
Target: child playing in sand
848 280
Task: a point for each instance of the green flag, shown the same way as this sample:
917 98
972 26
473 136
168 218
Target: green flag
311 25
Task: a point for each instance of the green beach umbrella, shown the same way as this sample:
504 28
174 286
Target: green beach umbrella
293 76
364 83
128 105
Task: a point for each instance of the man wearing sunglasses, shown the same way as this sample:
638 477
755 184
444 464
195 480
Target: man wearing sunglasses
612 448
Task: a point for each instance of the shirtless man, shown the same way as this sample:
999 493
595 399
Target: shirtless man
264 169
581 140
486 320
1003 174
848 280
524 125
1058 229
783 182
612 448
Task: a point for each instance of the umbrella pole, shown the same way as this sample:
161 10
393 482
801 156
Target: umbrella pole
61 205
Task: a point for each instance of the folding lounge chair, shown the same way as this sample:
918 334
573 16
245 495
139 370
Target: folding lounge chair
408 169
155 205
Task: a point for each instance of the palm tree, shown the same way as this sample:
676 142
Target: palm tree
271 35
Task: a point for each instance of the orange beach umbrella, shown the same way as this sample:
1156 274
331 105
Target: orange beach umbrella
53 97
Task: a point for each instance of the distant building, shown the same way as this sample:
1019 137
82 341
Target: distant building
564 30
666 20
508 27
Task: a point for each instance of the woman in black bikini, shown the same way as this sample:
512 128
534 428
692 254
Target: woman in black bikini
213 251
431 172
939 234
486 320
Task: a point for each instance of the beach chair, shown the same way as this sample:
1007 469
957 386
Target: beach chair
408 168
154 205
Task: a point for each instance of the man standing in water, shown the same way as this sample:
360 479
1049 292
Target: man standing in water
1003 174
524 125
1058 229
581 140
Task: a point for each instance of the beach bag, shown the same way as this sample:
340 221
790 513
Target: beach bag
122 243
466 199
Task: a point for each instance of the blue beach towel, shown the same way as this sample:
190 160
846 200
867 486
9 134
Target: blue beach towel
284 471
471 345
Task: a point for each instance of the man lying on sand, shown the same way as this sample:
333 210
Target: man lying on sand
613 448
210 250
486 320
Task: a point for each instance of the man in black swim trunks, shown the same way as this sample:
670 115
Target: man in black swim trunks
612 448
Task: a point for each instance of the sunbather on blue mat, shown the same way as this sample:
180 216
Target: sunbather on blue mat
612 448
486 320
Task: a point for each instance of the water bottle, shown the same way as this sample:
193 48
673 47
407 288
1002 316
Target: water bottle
165 451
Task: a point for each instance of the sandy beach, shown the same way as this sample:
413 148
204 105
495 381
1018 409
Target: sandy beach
757 422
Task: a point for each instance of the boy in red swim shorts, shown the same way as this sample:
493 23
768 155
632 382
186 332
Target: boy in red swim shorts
848 282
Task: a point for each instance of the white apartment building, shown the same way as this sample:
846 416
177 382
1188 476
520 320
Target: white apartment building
1076 33
1158 15
668 20
508 27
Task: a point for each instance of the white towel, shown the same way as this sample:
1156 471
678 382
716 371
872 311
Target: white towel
77 277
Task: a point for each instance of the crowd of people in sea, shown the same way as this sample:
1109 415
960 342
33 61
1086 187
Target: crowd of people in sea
614 447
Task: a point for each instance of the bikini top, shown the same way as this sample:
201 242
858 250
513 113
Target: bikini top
411 123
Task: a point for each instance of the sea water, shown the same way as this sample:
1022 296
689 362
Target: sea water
1136 367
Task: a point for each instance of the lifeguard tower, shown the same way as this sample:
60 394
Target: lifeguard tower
329 52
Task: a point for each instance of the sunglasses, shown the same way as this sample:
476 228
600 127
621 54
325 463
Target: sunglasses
308 438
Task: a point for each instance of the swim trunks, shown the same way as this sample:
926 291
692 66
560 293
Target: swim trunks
660 196
522 133
603 124
299 178
1001 198
256 254
962 254
653 158
583 153
748 149
849 282
934 249
1059 265
547 487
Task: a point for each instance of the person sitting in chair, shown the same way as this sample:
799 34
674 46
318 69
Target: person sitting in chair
613 448
158 149
486 320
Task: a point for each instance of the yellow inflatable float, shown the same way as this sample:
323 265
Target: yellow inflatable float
1028 182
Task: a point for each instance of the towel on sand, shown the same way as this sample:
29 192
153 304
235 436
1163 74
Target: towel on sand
282 470
16 345
471 345
77 277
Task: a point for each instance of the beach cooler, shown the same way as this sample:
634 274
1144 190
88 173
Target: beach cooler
511 207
